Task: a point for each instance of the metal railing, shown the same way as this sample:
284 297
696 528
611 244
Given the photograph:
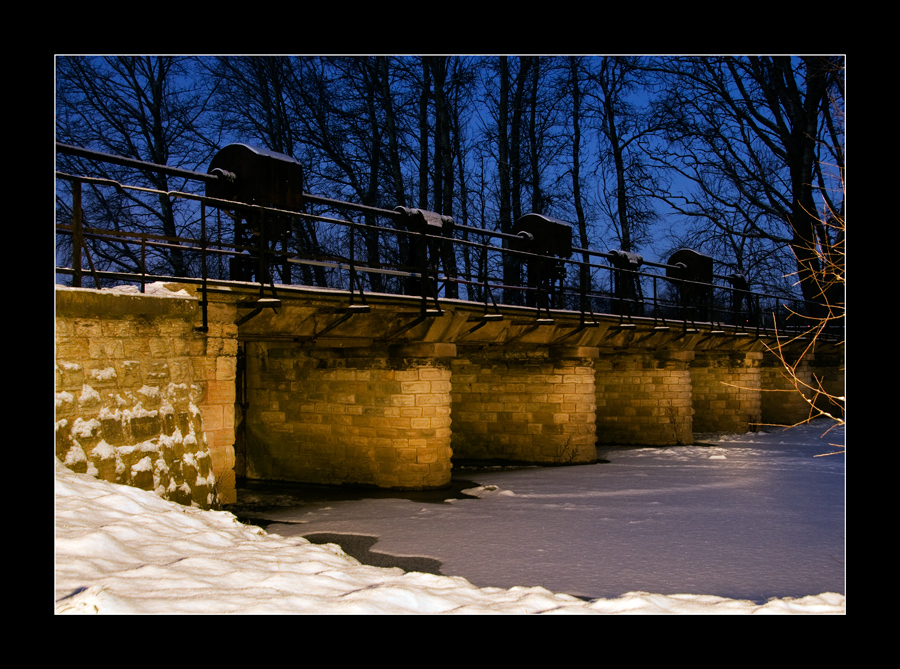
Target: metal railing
391 253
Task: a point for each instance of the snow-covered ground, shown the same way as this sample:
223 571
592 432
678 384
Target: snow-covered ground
750 524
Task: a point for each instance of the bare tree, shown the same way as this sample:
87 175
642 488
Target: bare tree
820 387
149 108
749 135
745 140
761 139
517 140
254 103
624 127
574 88
443 158
252 100
338 120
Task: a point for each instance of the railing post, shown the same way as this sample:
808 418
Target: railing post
143 263
584 285
203 272
77 234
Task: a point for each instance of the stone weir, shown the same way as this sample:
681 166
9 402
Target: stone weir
321 388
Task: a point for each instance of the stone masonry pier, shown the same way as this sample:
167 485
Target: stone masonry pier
318 388
376 416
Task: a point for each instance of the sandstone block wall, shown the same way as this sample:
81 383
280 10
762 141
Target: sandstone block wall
645 398
726 391
143 399
535 405
820 377
780 403
332 416
827 368
215 373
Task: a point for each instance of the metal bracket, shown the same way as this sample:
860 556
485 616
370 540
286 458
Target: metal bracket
348 312
258 306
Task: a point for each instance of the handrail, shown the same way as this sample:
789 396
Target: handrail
428 271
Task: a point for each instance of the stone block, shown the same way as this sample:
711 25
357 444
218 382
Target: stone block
226 368
90 328
101 374
142 474
112 430
69 375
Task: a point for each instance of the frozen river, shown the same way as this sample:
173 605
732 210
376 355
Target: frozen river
748 516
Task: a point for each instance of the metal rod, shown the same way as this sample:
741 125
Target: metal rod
131 162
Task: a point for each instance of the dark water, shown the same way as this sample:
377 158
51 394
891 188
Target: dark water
257 500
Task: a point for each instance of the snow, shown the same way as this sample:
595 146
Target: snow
747 524
156 288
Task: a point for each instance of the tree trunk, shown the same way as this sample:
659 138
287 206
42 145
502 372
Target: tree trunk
443 167
585 271
424 97
537 195
373 248
610 111
510 263
515 140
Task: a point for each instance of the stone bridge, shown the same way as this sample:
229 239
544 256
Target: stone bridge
160 392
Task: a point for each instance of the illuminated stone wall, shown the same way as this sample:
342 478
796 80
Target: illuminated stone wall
644 397
142 397
373 416
534 404
727 388
315 392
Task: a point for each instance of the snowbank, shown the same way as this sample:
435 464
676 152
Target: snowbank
124 550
